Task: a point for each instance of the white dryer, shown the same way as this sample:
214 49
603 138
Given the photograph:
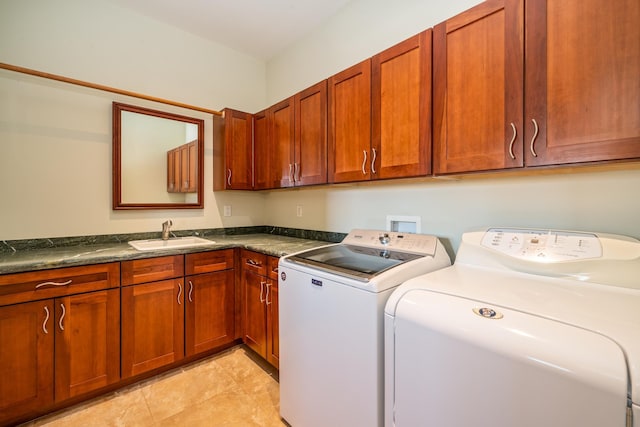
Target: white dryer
528 328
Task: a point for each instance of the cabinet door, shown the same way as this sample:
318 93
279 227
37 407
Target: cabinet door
478 89
238 135
192 169
87 344
26 358
401 109
171 172
253 311
282 143
262 149
273 331
210 304
152 326
350 124
583 84
310 151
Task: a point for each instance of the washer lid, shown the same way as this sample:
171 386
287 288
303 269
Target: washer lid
360 263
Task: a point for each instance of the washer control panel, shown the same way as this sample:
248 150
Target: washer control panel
392 240
543 245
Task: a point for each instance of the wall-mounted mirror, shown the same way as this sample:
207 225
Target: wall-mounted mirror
157 159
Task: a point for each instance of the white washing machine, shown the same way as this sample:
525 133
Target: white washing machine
331 311
527 328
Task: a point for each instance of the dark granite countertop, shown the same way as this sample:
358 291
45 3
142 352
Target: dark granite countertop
41 259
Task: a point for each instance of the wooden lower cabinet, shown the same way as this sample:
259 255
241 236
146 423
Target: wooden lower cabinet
254 316
63 343
210 319
70 332
87 342
260 305
273 330
26 358
152 326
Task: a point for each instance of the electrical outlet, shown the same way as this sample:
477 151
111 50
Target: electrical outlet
299 210
227 210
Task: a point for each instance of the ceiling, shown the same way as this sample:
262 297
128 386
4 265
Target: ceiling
260 28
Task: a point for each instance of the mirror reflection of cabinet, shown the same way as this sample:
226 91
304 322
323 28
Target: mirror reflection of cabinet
182 168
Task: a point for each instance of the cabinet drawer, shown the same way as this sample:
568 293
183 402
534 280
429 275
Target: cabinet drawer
35 285
206 262
152 269
254 261
272 267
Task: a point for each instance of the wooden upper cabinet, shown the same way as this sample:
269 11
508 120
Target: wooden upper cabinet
238 136
582 81
349 104
182 168
281 132
478 59
261 149
310 164
401 109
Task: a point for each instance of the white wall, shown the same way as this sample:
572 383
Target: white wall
604 201
55 139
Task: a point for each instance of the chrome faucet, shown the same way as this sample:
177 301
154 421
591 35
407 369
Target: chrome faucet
166 229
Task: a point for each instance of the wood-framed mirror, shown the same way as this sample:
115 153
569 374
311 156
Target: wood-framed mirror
158 159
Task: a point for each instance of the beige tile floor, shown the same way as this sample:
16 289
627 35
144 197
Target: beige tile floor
229 389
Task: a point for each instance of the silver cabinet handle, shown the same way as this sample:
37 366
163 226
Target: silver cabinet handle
364 162
64 312
291 177
268 293
373 161
179 293
190 290
68 282
229 177
44 324
296 172
262 291
533 138
513 139
253 262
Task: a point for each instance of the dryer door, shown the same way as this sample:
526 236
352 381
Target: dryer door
460 362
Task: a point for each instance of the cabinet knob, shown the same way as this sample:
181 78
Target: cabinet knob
373 161
268 293
533 138
262 291
364 162
46 319
68 282
64 312
513 139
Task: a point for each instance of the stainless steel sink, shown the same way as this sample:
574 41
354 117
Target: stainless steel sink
173 243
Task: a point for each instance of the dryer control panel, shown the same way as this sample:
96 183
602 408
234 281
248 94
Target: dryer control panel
543 245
